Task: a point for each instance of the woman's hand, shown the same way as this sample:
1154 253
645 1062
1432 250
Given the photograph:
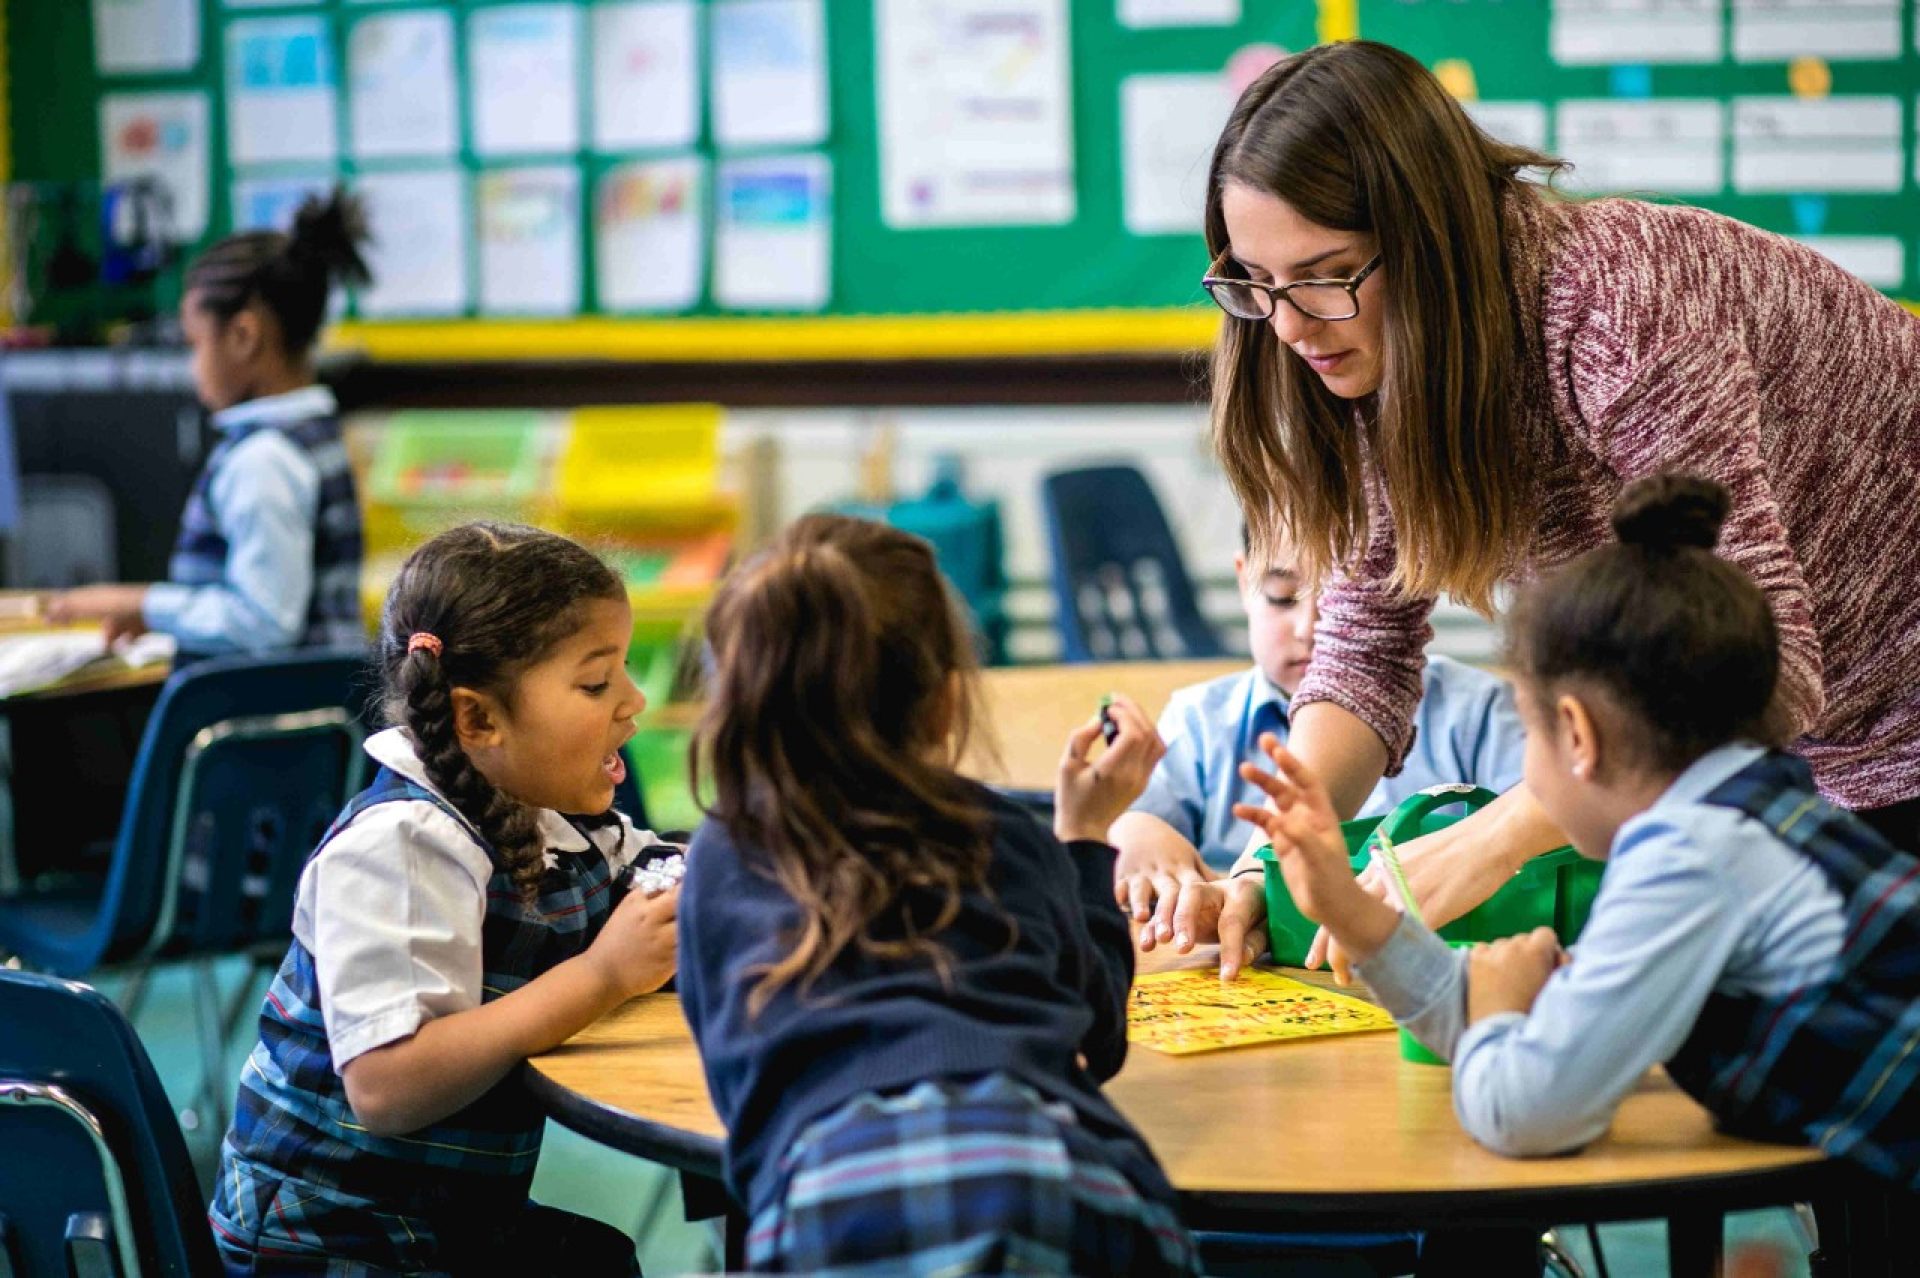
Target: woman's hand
638 945
1156 864
1089 794
1507 975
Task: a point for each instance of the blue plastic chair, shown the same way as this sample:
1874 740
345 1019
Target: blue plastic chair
95 1178
244 763
1120 591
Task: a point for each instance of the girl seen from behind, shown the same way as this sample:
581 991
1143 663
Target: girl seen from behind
906 991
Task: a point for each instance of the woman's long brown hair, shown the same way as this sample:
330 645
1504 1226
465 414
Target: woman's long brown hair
842 694
1360 137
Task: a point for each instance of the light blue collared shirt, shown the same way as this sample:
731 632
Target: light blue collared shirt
1466 729
1697 899
266 493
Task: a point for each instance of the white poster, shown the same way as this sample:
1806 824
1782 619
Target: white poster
1781 30
649 235
529 240
773 233
400 85
1849 143
1674 145
268 203
142 36
976 118
1515 123
524 79
281 92
164 136
1179 13
769 72
1880 260
419 252
1589 32
1168 127
646 76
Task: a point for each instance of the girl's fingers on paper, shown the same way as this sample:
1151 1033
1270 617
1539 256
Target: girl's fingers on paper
1140 894
1080 741
1166 891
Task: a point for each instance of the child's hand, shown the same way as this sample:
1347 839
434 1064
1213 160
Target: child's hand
1506 976
117 608
1090 795
638 947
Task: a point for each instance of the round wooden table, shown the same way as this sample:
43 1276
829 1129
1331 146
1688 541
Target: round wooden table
1325 1134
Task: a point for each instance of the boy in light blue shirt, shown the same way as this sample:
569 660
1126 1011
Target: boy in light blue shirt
1183 828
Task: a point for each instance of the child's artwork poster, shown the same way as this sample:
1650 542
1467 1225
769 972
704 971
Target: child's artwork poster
1181 1013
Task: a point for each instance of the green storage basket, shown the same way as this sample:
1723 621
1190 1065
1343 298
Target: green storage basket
1554 890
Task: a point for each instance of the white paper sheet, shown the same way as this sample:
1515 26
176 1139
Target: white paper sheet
400 85
1880 260
529 223
164 135
769 72
1849 143
1179 13
646 76
281 91
1780 30
419 252
1518 123
1589 32
975 112
524 79
1673 145
773 233
1168 127
268 202
649 235
140 36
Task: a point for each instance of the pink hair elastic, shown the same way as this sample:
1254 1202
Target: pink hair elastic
421 639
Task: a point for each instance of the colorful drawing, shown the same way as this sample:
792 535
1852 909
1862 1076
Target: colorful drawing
1181 1013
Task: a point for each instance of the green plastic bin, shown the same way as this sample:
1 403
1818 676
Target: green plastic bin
1553 890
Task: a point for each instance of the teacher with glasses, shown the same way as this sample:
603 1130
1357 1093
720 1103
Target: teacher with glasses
1436 375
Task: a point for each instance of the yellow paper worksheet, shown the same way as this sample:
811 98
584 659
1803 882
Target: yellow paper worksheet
1181 1013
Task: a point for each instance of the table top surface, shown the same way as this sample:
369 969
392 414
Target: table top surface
1312 1120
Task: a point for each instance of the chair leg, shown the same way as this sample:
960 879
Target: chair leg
210 1101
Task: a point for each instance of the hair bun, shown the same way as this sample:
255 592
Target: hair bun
328 233
1671 512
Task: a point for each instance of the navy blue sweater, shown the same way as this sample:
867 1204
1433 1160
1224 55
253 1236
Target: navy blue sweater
1059 992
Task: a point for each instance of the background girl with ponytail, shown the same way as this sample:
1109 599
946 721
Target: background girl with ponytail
452 923
906 991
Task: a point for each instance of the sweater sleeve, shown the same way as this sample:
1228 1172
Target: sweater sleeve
1099 933
1692 404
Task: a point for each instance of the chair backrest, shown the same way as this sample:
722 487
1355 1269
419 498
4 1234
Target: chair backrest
1120 590
244 763
95 1177
66 535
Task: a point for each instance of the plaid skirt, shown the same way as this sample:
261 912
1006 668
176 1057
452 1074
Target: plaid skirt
979 1176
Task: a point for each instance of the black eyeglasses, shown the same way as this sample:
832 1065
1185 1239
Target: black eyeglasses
1315 299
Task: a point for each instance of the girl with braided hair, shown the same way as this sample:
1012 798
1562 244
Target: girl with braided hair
452 923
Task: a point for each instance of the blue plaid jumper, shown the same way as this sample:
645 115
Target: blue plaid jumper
200 553
1833 1064
303 1186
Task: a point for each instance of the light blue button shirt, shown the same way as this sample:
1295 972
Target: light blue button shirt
1697 898
266 493
1466 729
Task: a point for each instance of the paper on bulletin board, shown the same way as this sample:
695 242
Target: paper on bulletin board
773 233
1179 13
419 252
1671 145
1850 143
1880 260
1181 1013
1597 32
140 36
769 72
1781 30
649 235
524 79
268 202
646 76
164 135
529 221
1168 127
975 112
1516 123
281 91
401 100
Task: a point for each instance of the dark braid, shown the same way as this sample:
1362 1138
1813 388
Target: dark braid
498 597
290 274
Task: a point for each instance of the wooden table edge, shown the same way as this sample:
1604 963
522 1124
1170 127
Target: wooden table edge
663 1143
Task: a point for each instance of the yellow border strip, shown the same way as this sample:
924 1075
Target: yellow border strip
712 339
1339 20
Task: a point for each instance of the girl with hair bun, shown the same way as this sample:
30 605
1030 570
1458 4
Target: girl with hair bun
1753 937
269 549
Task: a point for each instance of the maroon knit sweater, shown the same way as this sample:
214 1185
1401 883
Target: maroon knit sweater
1664 338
